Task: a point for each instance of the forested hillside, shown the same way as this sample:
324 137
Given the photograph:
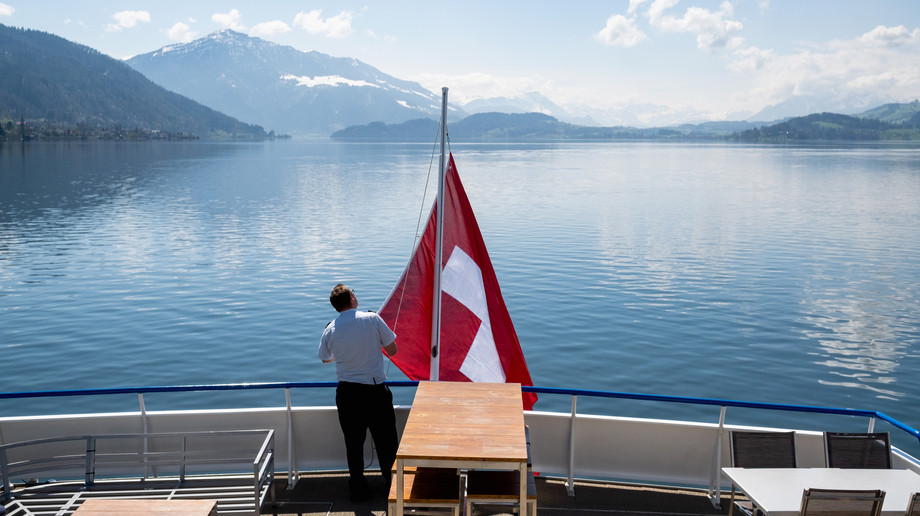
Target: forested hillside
832 126
52 82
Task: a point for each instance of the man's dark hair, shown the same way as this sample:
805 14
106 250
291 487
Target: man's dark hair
340 298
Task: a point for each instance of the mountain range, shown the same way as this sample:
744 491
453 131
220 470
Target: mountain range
47 78
308 92
206 87
283 88
889 122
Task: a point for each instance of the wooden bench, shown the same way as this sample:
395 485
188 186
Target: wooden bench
501 487
429 488
146 507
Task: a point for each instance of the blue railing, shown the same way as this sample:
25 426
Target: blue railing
539 390
731 403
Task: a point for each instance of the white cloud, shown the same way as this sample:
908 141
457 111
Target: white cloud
338 26
885 60
229 20
634 4
270 28
181 32
657 8
621 31
881 81
373 35
750 58
713 29
6 10
890 36
127 19
474 86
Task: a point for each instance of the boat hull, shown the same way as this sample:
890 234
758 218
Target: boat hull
586 446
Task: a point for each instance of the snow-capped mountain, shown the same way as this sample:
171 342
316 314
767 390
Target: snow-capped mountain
631 115
282 88
805 105
530 102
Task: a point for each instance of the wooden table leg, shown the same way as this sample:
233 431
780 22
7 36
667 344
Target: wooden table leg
523 488
400 486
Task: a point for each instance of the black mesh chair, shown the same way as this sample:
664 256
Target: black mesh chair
760 450
858 450
838 502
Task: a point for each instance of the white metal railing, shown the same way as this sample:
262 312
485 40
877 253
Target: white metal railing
570 444
167 454
664 451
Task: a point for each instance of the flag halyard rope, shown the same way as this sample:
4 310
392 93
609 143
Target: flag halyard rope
418 236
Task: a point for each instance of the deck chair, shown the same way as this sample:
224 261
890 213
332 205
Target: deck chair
858 450
913 506
841 502
760 450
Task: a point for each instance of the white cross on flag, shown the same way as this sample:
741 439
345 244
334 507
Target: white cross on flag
478 342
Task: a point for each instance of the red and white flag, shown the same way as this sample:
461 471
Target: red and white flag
478 342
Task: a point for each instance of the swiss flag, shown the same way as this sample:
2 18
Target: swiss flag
478 341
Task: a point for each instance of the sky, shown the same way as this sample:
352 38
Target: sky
721 59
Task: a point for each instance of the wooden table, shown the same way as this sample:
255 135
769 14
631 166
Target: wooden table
778 491
467 426
146 507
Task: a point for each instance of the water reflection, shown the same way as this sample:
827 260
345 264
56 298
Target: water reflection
749 272
793 256
860 340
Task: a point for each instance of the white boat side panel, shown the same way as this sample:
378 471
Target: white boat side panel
658 451
317 442
623 448
649 450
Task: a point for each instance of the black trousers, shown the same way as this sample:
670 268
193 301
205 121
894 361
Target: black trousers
362 407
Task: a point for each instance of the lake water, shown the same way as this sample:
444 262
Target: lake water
786 274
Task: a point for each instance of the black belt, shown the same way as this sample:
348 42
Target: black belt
367 385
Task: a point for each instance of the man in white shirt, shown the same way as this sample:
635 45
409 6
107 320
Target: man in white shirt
354 341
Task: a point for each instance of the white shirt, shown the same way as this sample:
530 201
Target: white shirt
354 340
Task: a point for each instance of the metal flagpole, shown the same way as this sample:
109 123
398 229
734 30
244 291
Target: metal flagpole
439 245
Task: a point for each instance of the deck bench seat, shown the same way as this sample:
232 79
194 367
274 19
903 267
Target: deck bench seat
429 488
499 487
146 507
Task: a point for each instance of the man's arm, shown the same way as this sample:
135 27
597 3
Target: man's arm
390 348
325 353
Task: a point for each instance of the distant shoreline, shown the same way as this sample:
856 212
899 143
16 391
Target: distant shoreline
532 126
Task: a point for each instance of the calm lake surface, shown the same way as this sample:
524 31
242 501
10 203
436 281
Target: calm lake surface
786 274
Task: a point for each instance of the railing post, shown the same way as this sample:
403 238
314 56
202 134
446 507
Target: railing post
570 483
267 455
256 486
871 425
293 472
5 471
90 476
715 472
183 446
271 469
140 402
